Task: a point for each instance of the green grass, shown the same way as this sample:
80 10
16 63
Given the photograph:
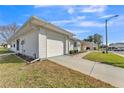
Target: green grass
109 58
15 73
4 50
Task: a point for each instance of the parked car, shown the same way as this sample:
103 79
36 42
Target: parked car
118 49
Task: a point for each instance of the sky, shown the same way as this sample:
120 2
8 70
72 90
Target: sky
81 20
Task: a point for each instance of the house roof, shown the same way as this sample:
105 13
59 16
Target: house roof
50 26
39 22
75 39
88 43
116 45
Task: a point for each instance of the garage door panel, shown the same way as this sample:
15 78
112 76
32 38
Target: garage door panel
55 47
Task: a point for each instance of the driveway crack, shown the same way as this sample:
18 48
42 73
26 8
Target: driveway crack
92 69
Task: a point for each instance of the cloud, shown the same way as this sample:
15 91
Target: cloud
19 24
79 23
69 21
80 31
90 24
70 10
41 6
81 17
107 16
63 22
86 9
119 21
94 8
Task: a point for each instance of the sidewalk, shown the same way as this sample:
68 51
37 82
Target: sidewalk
118 54
6 54
107 73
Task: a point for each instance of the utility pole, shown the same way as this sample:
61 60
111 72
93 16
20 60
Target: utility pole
106 30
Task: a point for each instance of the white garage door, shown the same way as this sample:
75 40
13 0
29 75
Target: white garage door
55 47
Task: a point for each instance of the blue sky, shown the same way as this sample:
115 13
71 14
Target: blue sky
81 20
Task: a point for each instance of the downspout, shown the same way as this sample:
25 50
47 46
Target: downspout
68 44
46 44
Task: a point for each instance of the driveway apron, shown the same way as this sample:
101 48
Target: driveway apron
107 73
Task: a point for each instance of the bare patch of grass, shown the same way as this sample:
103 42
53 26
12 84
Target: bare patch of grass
43 74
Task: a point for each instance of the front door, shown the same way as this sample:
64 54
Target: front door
17 45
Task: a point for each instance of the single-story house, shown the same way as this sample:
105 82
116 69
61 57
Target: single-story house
40 39
115 46
5 45
85 45
74 44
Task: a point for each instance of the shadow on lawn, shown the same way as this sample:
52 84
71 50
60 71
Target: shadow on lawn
114 64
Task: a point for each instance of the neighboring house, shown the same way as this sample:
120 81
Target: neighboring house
39 39
5 45
74 44
85 45
0 45
116 46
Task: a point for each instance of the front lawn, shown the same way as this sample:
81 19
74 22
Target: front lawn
15 73
4 50
109 58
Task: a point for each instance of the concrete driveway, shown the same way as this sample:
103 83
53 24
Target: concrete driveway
107 73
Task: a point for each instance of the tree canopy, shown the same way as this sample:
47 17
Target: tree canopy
7 31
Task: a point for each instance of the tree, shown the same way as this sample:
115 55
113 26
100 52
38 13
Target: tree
98 39
7 31
91 38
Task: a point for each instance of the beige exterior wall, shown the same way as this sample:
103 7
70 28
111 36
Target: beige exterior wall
91 45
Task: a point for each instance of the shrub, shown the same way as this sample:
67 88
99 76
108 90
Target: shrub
73 51
103 52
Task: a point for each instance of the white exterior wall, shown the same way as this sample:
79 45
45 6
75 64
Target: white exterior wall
55 44
78 45
67 45
30 46
52 43
42 44
71 45
12 48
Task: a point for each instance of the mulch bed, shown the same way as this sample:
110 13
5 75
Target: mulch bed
27 58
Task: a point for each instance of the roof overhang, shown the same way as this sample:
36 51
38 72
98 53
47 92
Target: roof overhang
42 23
35 21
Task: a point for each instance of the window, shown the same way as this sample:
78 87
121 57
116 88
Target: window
17 42
14 45
22 42
75 44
